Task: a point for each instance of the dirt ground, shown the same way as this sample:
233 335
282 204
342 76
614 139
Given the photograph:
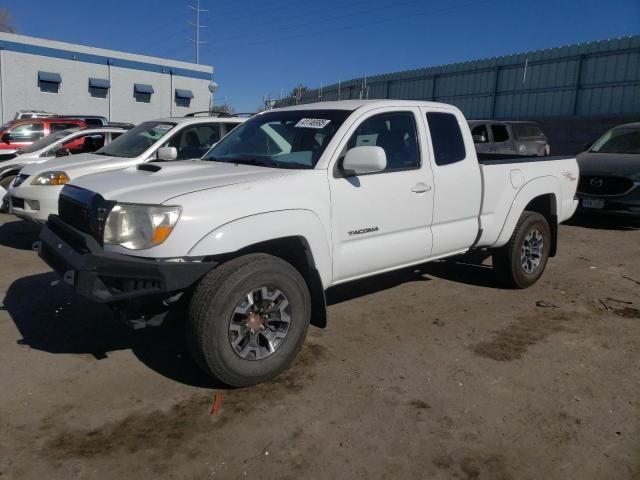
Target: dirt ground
431 373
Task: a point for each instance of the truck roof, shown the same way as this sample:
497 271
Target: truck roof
355 104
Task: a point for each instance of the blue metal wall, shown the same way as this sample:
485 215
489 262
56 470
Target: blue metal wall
596 78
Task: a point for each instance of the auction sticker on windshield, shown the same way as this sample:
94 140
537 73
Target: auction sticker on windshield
318 123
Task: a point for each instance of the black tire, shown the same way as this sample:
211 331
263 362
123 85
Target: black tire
507 261
211 309
6 181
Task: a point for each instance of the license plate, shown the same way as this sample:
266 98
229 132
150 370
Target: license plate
592 203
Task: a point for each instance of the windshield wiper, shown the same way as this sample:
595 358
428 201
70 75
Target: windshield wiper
260 162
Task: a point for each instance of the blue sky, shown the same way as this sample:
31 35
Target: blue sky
260 46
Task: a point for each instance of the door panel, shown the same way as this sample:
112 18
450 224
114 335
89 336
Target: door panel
457 177
382 221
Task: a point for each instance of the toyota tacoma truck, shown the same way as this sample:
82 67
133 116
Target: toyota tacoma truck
246 240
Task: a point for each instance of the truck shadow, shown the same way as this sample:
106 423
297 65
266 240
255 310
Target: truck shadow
469 269
55 320
19 234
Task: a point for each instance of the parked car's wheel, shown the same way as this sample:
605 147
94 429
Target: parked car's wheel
521 262
247 319
6 181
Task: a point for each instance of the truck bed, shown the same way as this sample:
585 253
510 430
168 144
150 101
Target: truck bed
507 180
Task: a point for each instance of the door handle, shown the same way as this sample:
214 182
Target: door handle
421 188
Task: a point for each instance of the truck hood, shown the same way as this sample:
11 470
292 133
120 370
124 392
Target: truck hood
156 183
81 164
621 165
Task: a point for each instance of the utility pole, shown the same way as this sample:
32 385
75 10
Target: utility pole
197 26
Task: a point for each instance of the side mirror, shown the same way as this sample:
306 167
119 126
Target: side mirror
362 160
61 152
167 154
479 139
6 138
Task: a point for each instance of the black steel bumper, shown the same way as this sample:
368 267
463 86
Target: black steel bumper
108 277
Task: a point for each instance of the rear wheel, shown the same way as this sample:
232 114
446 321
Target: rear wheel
248 318
521 262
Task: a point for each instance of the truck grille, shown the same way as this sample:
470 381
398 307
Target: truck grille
84 210
597 185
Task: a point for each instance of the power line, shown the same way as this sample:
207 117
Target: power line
316 20
357 25
270 9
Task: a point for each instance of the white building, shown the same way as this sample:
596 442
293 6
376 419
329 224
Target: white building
65 78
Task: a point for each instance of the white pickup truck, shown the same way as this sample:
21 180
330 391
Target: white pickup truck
290 203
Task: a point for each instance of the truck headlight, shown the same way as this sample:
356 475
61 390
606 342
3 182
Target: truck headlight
137 227
51 178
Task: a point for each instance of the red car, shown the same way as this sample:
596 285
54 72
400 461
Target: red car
17 134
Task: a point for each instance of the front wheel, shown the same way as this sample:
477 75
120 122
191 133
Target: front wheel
248 318
521 262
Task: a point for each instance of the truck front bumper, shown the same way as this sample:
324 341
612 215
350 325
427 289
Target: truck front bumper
108 277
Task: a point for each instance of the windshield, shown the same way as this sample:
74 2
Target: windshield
46 141
280 139
619 140
137 140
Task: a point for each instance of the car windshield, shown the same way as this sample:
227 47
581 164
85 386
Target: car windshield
619 140
280 139
46 141
137 140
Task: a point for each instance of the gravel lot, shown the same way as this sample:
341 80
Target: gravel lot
431 373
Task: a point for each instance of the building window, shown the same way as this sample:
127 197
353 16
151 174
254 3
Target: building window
142 92
49 82
183 97
99 87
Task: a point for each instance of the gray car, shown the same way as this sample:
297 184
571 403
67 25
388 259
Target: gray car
610 173
509 138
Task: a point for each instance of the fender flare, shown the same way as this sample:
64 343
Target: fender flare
247 231
547 185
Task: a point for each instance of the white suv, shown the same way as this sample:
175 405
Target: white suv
33 195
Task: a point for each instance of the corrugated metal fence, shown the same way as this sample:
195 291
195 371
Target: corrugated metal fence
596 78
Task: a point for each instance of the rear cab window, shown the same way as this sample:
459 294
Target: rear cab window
446 138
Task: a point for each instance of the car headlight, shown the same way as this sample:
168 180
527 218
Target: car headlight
51 178
137 227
